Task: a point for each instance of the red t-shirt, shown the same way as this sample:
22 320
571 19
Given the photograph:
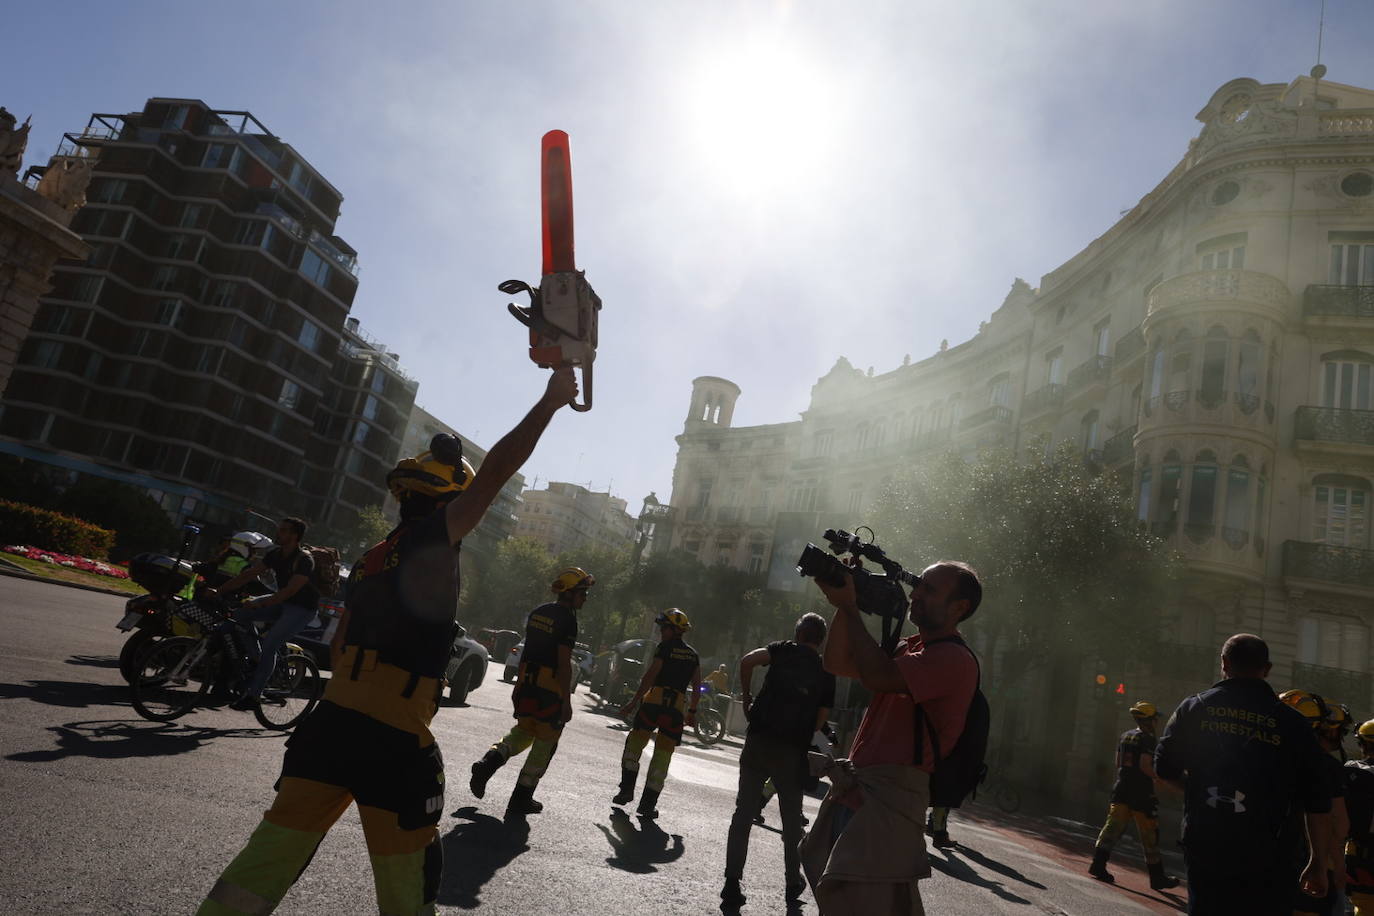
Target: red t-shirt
942 678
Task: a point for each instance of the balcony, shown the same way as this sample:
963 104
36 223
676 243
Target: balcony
1094 372
994 414
1048 398
1130 346
1337 685
1225 286
1119 448
1328 302
1343 566
1337 429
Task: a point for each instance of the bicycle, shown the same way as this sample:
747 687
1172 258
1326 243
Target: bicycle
172 675
710 726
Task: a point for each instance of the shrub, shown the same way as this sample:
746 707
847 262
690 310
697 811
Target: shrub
23 524
137 520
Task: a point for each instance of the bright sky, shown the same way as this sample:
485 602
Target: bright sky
760 187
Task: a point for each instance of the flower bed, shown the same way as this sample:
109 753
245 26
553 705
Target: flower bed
61 559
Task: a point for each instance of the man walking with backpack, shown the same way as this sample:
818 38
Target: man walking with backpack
794 703
866 850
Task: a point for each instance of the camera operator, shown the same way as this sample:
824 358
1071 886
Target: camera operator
866 850
795 701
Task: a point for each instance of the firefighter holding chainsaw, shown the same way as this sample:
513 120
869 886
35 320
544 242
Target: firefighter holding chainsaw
369 740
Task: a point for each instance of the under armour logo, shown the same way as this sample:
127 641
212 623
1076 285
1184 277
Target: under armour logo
1214 798
434 804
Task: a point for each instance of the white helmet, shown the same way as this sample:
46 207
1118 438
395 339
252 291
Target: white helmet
246 543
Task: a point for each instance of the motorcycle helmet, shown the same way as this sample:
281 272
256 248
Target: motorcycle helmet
674 618
246 543
440 473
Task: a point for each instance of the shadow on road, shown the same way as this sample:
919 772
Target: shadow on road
116 740
474 851
974 855
638 850
75 694
93 661
962 871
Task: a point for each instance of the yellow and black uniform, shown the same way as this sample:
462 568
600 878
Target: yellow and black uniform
1359 850
369 740
664 710
1133 798
538 695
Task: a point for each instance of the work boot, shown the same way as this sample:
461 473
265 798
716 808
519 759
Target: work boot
792 896
627 787
1099 867
1158 880
522 801
940 840
731 895
647 799
483 770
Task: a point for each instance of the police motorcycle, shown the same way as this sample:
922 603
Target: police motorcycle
151 617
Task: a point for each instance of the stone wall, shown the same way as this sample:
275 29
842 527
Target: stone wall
33 236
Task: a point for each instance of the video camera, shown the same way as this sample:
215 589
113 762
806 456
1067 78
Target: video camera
879 594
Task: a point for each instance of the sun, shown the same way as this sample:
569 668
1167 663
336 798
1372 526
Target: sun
761 116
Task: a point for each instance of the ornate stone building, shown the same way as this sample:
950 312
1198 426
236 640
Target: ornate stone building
566 517
1215 348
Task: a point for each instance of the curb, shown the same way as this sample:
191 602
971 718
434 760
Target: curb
8 569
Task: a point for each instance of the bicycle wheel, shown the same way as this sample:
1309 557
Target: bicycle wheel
170 678
291 693
710 726
1006 797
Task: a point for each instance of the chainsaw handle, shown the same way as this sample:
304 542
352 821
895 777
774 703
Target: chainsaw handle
586 404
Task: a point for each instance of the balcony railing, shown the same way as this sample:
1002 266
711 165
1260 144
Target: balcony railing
1344 565
1052 395
1119 448
1320 301
1130 346
1335 684
993 414
1334 424
1219 286
1094 370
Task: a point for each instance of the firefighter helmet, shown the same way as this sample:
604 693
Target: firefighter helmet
1365 733
573 578
1144 709
1311 705
674 618
440 473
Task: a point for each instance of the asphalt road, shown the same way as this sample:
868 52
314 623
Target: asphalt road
103 812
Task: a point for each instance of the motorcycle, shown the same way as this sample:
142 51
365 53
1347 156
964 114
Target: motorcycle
151 617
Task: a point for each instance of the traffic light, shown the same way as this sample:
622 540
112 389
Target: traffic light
1100 687
1121 689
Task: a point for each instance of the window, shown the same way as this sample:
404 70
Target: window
378 380
182 246
1102 337
290 394
956 410
823 442
1333 642
1247 372
856 500
192 215
1142 512
756 552
1054 366
164 277
1236 524
704 493
803 496
1202 498
999 392
1088 432
1215 355
222 156
1352 264
1170 490
223 294
168 312
176 117
1346 380
1226 252
1156 376
313 267
309 336
370 408
360 433
46 353
1340 515
87 288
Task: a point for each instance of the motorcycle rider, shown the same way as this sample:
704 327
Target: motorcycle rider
369 739
542 694
1359 803
664 692
1133 798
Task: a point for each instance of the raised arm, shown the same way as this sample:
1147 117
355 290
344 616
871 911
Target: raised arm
850 650
507 455
751 660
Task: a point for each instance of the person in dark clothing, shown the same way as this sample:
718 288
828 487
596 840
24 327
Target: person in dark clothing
1329 721
291 607
1359 805
542 694
1245 763
369 740
1133 798
794 703
670 691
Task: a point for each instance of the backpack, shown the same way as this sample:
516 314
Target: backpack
787 704
958 774
325 576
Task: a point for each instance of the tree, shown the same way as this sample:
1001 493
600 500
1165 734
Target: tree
137 520
369 526
514 582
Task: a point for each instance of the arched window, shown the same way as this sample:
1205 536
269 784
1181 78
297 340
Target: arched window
1340 510
1235 528
1156 380
1142 510
1347 380
1180 368
1215 350
1248 371
1202 498
1170 494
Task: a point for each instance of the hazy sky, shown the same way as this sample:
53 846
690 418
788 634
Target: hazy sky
760 187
